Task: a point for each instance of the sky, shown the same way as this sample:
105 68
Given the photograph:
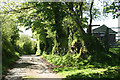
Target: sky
27 32
109 22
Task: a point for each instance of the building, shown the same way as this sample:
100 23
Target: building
100 32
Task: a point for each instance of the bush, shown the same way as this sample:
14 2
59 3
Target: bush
26 45
64 61
9 55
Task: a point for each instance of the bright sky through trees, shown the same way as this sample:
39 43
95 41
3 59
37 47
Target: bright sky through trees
108 21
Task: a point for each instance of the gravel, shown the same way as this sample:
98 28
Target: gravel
29 66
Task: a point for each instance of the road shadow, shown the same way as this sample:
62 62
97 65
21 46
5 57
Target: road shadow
21 65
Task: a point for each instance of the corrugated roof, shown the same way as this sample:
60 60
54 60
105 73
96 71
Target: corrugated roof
102 29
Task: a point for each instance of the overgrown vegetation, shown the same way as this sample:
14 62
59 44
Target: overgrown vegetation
89 72
26 45
72 66
12 48
59 30
9 37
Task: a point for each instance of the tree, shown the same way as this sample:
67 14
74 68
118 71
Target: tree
46 20
25 45
90 26
113 8
9 35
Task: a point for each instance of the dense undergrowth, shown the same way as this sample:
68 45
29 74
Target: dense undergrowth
11 53
13 45
6 61
73 66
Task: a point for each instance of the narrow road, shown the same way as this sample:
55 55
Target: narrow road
30 66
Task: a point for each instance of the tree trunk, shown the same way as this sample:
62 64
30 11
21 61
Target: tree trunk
93 46
61 37
38 52
106 39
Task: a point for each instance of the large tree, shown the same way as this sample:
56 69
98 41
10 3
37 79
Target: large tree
46 20
91 43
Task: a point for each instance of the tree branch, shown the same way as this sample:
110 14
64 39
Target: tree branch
18 11
77 20
90 26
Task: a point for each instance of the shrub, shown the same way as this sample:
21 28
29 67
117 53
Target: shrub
64 61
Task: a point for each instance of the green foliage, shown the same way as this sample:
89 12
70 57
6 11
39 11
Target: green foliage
68 60
114 55
93 73
54 29
89 71
9 37
26 45
72 66
115 50
64 61
57 27
112 8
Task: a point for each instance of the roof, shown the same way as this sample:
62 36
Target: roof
102 29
